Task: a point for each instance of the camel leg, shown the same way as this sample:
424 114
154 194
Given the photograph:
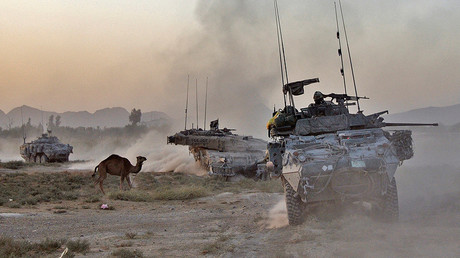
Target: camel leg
100 180
122 178
102 188
129 181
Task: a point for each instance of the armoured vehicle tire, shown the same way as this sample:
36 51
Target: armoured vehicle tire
43 159
293 204
390 202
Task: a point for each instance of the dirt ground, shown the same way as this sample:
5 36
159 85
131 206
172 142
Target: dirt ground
249 224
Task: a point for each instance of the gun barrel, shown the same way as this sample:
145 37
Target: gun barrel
410 124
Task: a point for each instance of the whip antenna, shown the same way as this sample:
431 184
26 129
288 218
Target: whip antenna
284 72
196 95
349 57
340 53
186 101
23 127
43 125
205 104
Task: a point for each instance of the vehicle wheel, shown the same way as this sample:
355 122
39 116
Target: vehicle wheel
43 159
294 205
390 202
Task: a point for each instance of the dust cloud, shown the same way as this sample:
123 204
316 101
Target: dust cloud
277 216
9 149
160 156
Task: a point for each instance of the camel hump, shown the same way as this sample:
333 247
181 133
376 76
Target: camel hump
112 157
115 156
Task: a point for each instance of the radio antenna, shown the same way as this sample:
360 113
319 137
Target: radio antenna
196 100
349 57
340 53
186 101
282 54
23 127
43 125
205 104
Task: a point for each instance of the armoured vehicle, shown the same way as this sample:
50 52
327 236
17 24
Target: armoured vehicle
324 153
46 148
224 153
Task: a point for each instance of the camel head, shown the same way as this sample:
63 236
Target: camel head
140 159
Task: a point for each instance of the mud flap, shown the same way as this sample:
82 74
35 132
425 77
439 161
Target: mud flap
292 174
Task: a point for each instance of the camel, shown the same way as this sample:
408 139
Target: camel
117 166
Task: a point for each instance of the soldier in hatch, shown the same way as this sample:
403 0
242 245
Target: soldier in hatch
319 107
318 97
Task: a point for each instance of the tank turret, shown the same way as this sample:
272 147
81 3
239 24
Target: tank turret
327 117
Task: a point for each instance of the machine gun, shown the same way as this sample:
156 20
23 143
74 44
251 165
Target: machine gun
341 98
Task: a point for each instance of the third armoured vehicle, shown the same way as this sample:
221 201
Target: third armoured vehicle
45 149
224 153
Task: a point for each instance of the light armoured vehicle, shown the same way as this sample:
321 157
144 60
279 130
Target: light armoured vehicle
46 148
224 153
323 153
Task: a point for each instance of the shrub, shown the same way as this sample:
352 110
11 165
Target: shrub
125 253
130 235
16 164
78 246
92 199
14 248
180 193
48 245
135 196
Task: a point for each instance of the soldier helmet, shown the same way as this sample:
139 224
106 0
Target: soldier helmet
318 95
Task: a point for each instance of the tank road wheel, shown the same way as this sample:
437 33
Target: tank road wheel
390 202
293 204
43 159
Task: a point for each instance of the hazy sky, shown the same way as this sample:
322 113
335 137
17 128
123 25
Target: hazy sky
88 55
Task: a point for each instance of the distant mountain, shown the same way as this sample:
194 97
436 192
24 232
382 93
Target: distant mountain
107 117
3 118
449 115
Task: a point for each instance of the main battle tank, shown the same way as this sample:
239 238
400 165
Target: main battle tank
45 149
223 153
324 153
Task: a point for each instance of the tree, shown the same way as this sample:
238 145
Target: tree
58 120
40 127
135 116
51 122
10 122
